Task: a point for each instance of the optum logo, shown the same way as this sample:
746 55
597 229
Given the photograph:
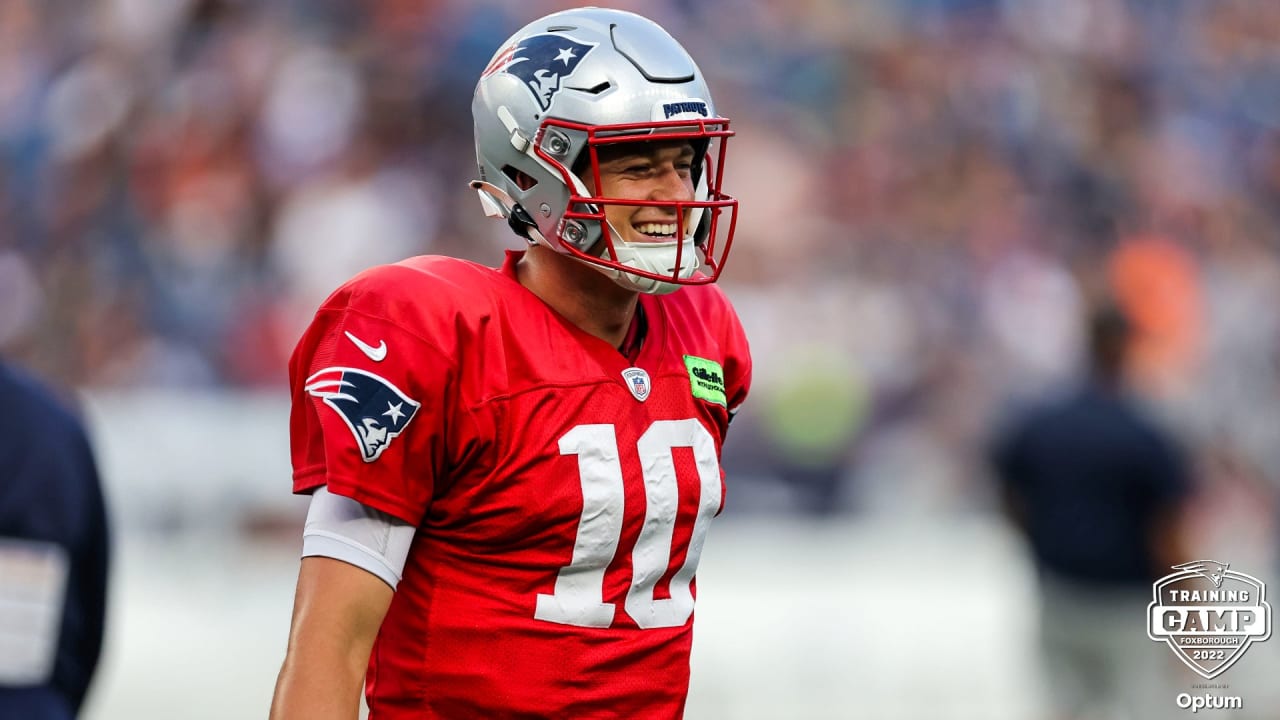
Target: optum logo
1196 703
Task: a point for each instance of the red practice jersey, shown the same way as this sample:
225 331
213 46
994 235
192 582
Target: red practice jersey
561 492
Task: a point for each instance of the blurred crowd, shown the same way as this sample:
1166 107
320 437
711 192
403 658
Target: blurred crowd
933 192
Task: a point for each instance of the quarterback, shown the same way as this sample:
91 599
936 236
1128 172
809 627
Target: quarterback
513 471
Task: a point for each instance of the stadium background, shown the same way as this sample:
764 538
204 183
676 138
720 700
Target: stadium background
932 190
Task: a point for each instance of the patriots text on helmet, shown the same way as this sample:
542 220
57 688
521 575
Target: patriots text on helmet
679 108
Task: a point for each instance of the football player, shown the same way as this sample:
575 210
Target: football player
512 472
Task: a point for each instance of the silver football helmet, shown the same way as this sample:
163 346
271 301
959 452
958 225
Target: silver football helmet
563 87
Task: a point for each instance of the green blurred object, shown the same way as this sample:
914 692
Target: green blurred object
816 409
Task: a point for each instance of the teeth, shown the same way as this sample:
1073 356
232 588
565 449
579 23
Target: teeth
663 229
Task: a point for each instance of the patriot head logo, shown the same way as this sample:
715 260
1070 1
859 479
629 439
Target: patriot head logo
375 410
542 62
1210 570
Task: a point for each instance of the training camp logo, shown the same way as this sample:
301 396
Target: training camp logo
1208 614
375 410
542 62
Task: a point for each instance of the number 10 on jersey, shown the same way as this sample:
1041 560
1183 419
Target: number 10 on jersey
579 591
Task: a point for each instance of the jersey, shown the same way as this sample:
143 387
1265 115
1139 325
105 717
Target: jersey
561 492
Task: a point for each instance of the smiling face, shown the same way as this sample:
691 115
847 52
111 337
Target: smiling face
658 171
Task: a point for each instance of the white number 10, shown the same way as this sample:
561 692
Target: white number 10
578 597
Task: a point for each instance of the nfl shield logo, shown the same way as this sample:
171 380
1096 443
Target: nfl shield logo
637 382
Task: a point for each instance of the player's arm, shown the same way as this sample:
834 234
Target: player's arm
336 615
353 559
366 435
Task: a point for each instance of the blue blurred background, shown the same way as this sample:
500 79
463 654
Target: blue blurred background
932 191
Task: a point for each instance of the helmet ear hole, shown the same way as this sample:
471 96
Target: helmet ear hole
523 180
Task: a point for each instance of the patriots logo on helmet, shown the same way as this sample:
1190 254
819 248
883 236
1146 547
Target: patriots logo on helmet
375 410
1210 570
542 62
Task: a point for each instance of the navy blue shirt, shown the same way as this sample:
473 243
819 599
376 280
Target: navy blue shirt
1091 473
50 491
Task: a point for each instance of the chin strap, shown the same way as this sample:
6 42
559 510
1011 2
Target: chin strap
654 258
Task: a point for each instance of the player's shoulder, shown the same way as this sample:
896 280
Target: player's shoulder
38 412
709 296
701 319
35 398
435 274
445 301
705 302
423 286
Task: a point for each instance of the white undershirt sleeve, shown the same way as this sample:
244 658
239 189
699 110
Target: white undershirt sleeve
346 530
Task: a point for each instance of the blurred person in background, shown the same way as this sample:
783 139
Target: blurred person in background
53 553
1099 489
513 471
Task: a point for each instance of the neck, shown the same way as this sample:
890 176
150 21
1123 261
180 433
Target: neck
582 295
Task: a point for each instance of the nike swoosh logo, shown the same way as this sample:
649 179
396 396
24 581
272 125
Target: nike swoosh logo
376 354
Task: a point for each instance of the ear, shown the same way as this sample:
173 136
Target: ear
523 180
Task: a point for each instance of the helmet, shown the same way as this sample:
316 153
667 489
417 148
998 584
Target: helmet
571 83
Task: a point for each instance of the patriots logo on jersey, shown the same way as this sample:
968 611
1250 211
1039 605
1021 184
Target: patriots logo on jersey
375 410
542 62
